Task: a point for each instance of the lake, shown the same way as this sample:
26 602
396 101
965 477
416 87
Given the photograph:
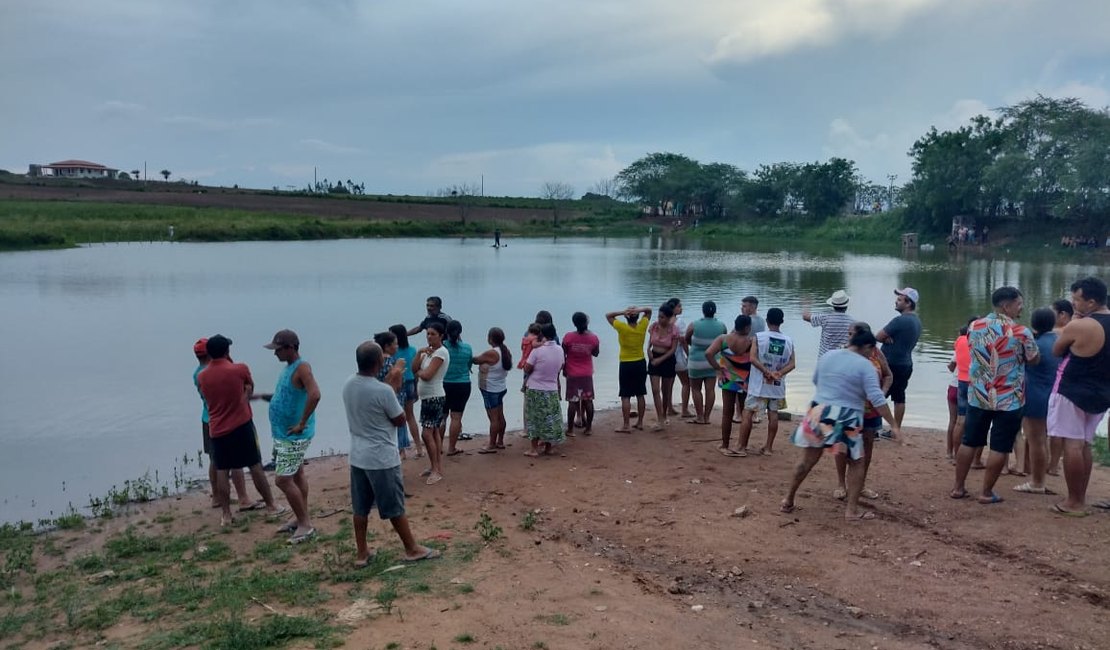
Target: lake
97 382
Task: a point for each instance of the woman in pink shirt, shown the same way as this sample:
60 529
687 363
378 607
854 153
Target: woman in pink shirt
543 416
663 341
580 348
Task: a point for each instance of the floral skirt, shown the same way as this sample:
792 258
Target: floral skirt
544 416
836 428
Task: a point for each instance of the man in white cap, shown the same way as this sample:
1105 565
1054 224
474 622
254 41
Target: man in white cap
899 338
835 325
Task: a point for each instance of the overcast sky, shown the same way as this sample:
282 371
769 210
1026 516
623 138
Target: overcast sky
413 96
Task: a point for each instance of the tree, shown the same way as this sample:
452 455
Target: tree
556 192
165 174
826 189
123 176
135 174
714 186
658 179
606 187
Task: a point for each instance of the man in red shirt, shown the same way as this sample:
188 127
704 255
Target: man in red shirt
227 387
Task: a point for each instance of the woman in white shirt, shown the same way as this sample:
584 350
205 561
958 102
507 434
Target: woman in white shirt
429 366
493 368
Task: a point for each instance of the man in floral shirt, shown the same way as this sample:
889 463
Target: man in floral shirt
1000 350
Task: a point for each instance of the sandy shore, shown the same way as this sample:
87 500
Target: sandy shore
632 542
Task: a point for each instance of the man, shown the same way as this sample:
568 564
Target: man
632 375
1000 350
773 360
899 338
1082 394
834 326
200 350
226 388
434 305
292 425
845 381
373 415
748 307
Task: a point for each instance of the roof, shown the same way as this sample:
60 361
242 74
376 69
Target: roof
77 163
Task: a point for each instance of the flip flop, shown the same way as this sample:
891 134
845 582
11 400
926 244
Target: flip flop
430 554
486 450
1027 488
457 452
863 516
362 564
785 509
433 479
962 494
1068 513
840 494
304 537
257 505
867 493
1101 505
729 452
279 512
994 498
622 430
500 446
286 528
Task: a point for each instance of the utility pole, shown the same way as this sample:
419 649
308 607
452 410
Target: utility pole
314 181
890 196
483 193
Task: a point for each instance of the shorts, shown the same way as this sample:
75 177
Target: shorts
872 424
665 369
408 392
433 412
952 390
897 392
381 487
769 404
236 449
493 400
289 455
580 389
205 439
961 398
1068 421
632 378
836 428
457 396
1003 427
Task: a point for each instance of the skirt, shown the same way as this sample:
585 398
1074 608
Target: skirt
836 428
543 416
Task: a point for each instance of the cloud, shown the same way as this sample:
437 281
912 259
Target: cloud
116 108
756 30
217 124
324 146
845 140
1095 95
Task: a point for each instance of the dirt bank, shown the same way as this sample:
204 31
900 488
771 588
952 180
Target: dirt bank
634 544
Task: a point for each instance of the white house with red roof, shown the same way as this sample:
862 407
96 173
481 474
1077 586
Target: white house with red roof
73 169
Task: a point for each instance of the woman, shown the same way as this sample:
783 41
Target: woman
1038 386
663 342
681 361
730 356
845 380
699 336
456 383
541 397
408 386
1064 312
493 368
872 420
392 372
961 364
579 349
431 365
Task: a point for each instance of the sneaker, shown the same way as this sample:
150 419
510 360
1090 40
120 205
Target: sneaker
465 436
885 434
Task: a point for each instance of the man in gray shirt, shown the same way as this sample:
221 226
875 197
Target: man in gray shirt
748 307
373 415
899 338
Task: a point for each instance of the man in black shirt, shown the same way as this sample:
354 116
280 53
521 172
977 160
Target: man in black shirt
434 305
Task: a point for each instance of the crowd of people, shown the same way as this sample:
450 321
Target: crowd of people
1052 383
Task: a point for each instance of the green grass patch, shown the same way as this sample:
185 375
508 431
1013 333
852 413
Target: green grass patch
1101 451
465 637
553 619
234 632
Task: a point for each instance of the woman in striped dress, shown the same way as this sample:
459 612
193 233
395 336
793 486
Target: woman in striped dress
699 336
731 357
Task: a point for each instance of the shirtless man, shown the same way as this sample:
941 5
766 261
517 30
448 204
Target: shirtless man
1082 394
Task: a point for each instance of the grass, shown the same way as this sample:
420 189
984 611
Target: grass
466 637
554 619
529 520
1101 451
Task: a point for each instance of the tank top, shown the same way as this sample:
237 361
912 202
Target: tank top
491 377
287 405
662 338
1085 381
737 369
459 370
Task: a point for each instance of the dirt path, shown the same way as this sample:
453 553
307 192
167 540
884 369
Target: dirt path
631 532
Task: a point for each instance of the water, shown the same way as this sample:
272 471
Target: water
97 371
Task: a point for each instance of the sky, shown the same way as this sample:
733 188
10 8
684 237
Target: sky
412 97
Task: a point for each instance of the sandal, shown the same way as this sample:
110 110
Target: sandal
1028 488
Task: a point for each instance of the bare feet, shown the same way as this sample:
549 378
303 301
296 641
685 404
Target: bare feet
422 553
623 429
766 451
787 507
532 454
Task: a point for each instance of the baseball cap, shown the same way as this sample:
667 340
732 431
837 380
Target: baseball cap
283 339
908 292
201 347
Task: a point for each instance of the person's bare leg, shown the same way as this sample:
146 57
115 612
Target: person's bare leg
362 552
684 394
297 501
899 413
258 477
453 434
626 414
572 413
501 426
588 407
414 428
728 403
856 479
1056 452
810 457
951 429
772 431
710 397
1036 435
745 424
698 400
995 462
977 463
957 437
212 482
221 489
1077 473
1018 456
841 490
657 401
432 442
412 549
963 465
239 482
666 386
640 404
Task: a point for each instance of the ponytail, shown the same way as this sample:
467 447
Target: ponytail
496 338
454 333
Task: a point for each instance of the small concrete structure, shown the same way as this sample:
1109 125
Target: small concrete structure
909 240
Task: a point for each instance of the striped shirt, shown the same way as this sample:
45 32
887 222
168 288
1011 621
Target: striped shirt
834 330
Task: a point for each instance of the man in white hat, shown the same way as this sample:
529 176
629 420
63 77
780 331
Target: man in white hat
835 325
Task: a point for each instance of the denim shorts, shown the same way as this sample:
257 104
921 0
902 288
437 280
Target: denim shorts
493 400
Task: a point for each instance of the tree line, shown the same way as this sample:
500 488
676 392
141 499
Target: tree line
1040 159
